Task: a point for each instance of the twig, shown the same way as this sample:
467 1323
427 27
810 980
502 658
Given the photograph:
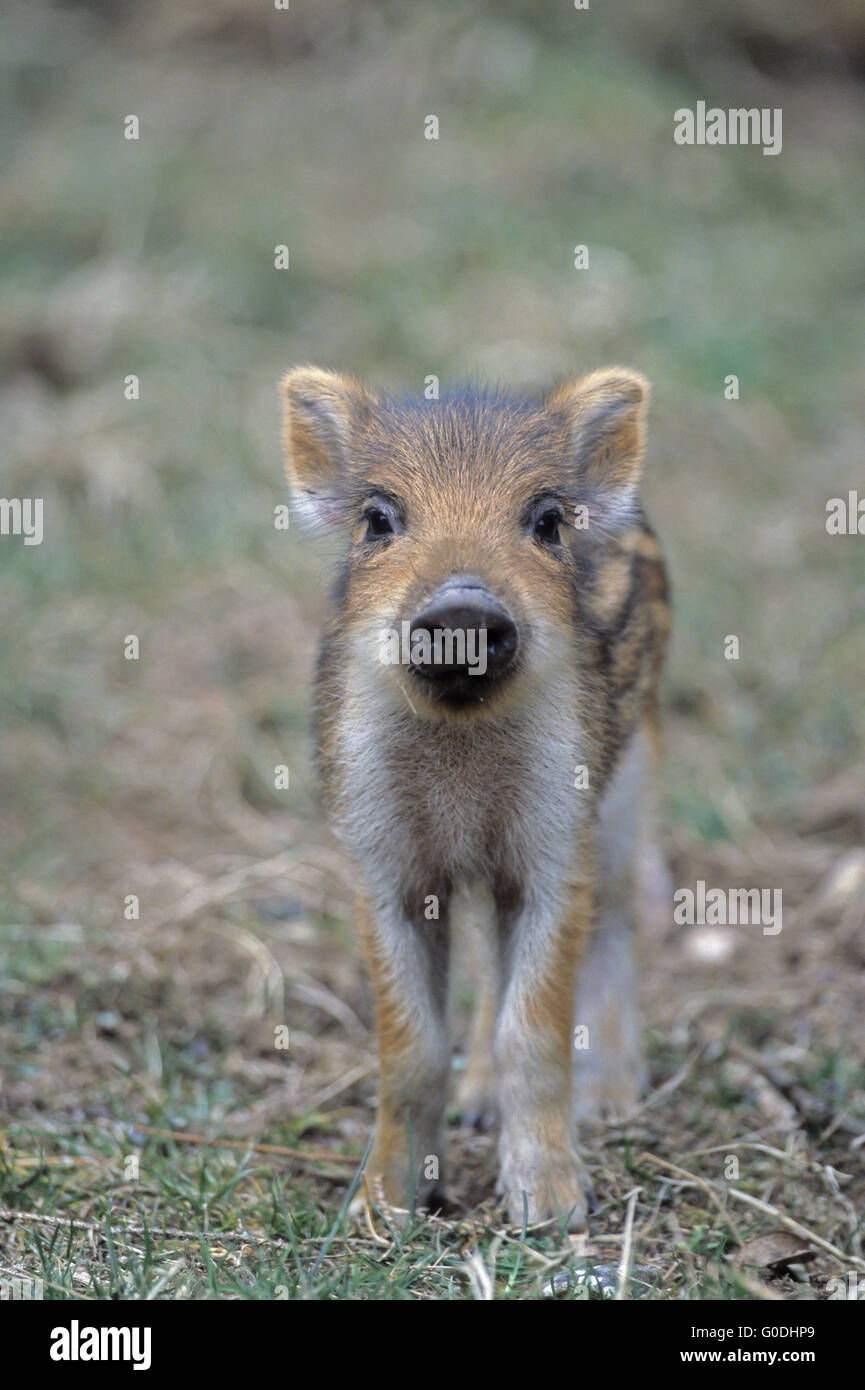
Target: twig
625 1262
480 1279
278 1150
698 1182
796 1227
670 1085
330 1092
809 1165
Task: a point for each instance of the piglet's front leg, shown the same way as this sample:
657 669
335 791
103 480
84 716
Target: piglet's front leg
541 1176
408 965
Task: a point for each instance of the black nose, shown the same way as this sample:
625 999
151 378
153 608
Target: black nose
462 639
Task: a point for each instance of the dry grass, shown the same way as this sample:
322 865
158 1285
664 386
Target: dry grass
155 778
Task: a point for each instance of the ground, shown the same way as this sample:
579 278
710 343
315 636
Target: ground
129 1044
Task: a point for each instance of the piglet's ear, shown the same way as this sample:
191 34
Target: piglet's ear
605 416
324 412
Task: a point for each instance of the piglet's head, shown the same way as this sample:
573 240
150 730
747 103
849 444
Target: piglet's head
472 522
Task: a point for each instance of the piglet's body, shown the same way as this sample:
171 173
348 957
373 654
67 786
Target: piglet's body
486 722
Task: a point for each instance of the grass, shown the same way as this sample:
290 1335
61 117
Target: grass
155 778
108 1210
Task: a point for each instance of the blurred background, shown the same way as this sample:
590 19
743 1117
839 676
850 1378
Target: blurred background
408 257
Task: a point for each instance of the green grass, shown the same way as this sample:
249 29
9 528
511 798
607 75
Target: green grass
408 257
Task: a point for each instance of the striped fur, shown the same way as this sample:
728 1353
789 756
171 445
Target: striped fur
441 803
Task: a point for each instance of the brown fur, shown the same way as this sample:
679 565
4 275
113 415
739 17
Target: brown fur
433 796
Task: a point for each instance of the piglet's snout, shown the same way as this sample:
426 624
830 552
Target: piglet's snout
463 629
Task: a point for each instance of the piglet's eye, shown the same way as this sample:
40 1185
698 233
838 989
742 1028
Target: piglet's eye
546 527
378 523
